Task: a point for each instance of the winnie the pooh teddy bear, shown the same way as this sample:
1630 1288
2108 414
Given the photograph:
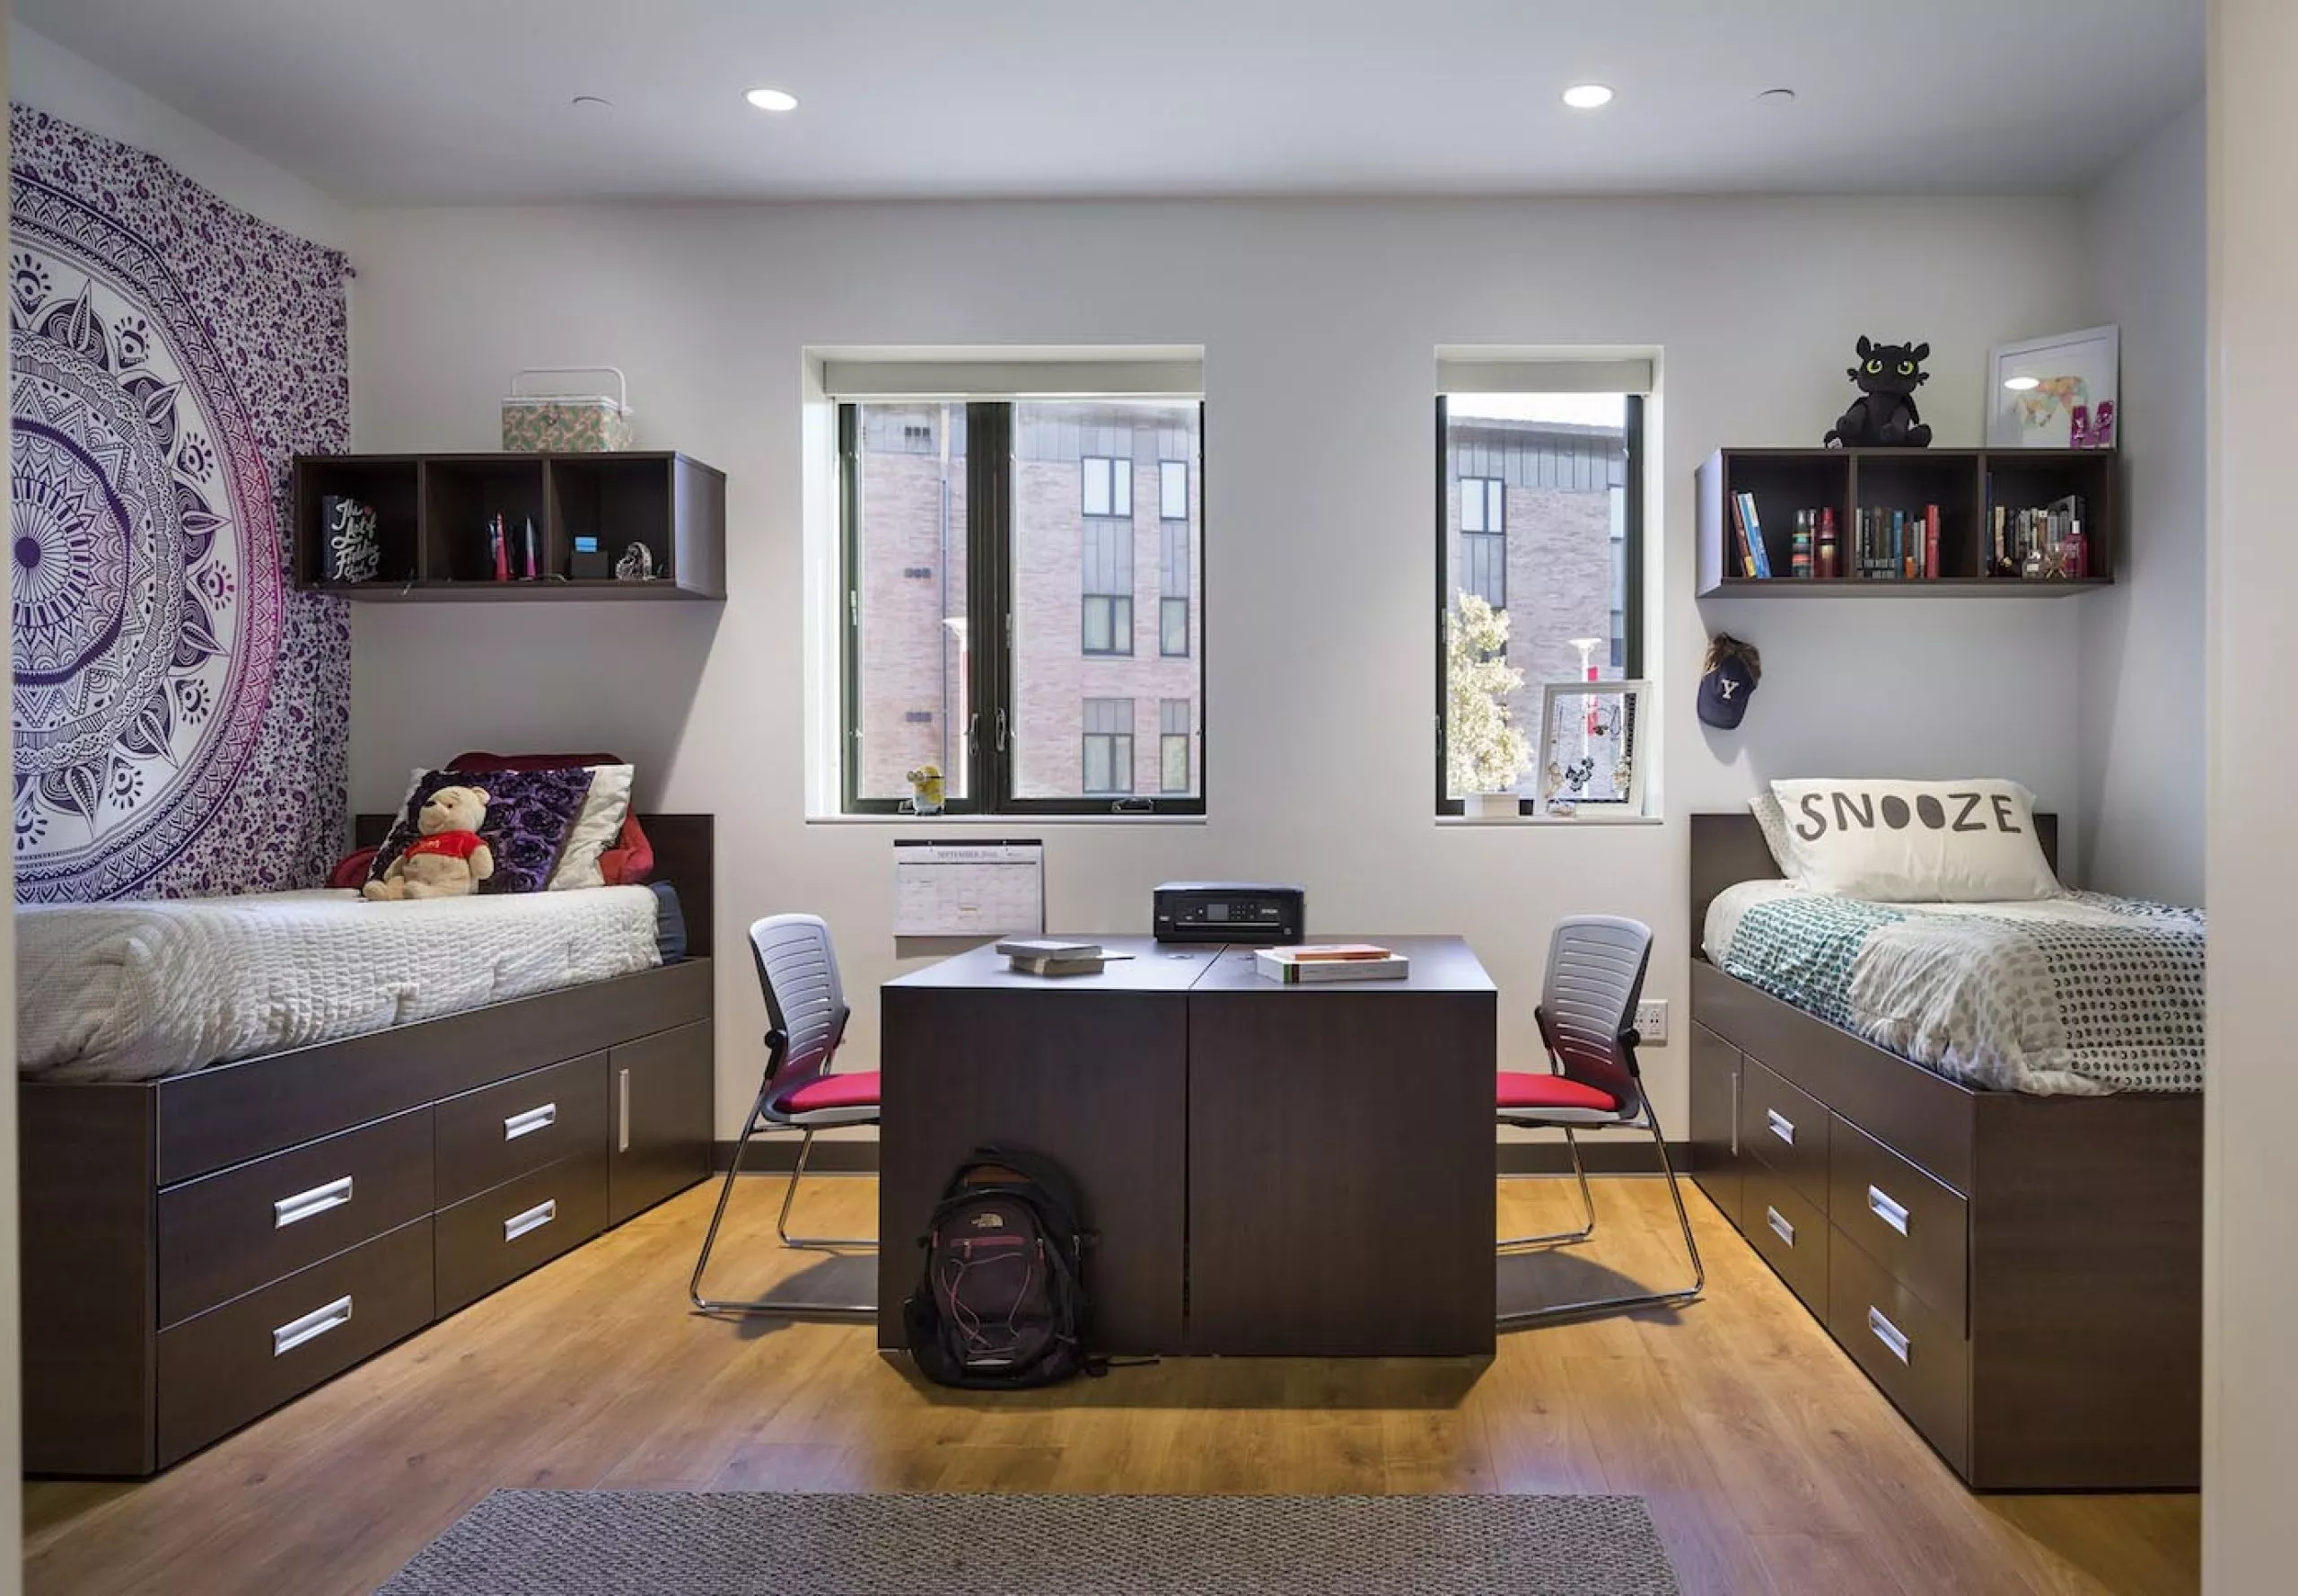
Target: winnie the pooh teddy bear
448 860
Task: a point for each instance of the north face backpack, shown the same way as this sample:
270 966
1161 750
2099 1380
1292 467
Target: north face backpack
1001 1304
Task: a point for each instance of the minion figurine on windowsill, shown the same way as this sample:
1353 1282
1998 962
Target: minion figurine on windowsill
926 790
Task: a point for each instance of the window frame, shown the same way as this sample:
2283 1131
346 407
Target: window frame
987 739
1631 582
1120 750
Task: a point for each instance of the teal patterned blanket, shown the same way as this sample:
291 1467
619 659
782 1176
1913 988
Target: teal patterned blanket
2083 994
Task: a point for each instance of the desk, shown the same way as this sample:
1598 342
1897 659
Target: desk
1297 1170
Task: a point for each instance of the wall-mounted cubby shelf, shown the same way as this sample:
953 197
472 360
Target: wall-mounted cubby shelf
431 512
1965 484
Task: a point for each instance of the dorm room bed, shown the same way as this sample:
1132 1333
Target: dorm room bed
202 1246
2019 1270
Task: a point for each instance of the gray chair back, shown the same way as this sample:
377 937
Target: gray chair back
1595 977
805 1002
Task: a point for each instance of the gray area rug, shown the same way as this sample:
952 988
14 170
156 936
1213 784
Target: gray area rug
665 1543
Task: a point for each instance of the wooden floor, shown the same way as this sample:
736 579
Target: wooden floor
1769 1462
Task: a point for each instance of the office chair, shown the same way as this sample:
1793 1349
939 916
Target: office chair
806 1015
1587 1021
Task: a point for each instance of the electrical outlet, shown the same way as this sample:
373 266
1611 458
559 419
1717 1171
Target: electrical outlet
1651 1021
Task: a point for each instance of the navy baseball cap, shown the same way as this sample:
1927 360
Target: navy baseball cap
1728 682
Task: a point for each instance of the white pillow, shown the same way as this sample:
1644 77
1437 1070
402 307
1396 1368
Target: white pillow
595 828
1916 841
1772 821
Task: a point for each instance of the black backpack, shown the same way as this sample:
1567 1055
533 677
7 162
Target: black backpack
1001 1305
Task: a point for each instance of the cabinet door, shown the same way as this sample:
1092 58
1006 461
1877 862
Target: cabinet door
1715 1088
662 1118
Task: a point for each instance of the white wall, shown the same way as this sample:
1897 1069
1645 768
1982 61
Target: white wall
2141 661
43 74
1320 323
2250 1268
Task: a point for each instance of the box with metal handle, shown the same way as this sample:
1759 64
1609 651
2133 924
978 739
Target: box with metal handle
575 419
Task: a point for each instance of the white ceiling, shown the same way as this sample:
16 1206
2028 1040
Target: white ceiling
468 100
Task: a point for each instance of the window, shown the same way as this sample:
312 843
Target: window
1172 489
1174 545
975 533
1108 745
1483 539
1172 745
1564 573
1109 485
1108 566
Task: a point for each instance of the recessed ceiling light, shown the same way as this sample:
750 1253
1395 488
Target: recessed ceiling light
1587 96
772 99
1777 96
2022 384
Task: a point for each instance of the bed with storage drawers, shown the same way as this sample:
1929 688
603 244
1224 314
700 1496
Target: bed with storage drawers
2021 1275
199 1248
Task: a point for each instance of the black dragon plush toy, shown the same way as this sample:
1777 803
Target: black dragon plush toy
1883 415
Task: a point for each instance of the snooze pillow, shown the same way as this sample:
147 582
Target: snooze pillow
529 815
1915 841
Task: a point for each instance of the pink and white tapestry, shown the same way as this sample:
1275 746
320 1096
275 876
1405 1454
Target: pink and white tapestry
180 711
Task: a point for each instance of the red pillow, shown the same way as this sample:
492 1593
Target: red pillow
631 860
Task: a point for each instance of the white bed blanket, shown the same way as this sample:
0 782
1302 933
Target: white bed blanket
137 991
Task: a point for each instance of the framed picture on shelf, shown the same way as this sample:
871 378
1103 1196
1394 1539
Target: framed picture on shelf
1591 754
2056 392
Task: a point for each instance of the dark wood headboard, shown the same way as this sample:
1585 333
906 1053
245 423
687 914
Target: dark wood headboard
685 855
1727 849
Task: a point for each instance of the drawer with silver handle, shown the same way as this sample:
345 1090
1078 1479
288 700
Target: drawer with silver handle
495 1237
1914 1227
501 1131
1785 1127
226 1234
219 1369
1920 1359
1790 1234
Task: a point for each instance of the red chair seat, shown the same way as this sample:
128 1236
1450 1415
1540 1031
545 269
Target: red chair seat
1520 1090
854 1089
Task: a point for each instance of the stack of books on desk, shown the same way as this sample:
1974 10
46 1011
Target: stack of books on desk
1052 956
1331 962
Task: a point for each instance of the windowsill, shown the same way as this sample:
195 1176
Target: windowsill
1551 820
1005 822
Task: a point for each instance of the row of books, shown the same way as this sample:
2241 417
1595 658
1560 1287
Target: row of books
1884 545
2046 544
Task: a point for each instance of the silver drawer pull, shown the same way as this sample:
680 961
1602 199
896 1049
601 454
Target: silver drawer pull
534 1119
1779 1225
1893 1338
1781 1126
533 1219
307 1204
317 1322
622 1112
1890 1212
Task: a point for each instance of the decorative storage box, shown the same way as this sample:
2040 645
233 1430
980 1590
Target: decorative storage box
567 423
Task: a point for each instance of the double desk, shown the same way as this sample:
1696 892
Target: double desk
1279 1170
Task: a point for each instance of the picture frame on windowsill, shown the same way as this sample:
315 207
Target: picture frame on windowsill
1592 750
2056 392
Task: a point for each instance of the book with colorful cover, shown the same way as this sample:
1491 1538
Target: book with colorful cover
1930 542
1798 559
1754 528
1830 558
1739 532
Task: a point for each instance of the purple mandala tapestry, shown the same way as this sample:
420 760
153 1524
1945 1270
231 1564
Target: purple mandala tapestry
180 711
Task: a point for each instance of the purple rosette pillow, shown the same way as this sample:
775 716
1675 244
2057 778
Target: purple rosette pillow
529 815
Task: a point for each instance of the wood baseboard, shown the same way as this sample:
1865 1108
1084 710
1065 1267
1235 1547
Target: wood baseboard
1620 1155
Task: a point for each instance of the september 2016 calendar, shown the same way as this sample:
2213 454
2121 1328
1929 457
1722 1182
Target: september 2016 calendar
969 888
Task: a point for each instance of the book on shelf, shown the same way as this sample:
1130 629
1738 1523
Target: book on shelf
1091 965
1930 542
1830 559
1798 559
1900 561
1755 559
1283 965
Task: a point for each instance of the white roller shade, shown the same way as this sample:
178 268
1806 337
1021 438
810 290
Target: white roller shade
1467 375
1121 377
